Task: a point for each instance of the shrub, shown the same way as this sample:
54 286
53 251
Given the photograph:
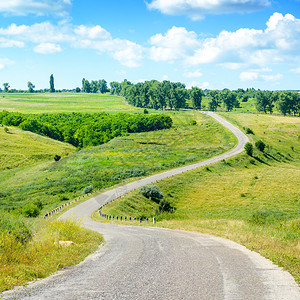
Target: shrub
164 206
249 131
260 145
57 157
193 122
249 149
151 191
146 112
266 217
88 189
15 226
31 210
6 130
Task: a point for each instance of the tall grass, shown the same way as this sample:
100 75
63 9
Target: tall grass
40 255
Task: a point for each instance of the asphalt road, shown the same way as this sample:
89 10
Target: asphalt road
153 263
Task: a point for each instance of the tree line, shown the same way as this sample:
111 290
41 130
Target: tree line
83 130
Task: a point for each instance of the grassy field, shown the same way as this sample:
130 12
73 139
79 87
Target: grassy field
22 148
134 155
63 103
254 201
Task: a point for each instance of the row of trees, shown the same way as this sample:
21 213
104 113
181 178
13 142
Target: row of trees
82 130
286 102
94 86
157 95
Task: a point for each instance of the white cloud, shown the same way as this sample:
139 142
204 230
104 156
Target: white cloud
46 36
4 62
47 48
38 7
196 9
193 74
95 32
271 77
253 76
175 44
248 76
6 43
296 70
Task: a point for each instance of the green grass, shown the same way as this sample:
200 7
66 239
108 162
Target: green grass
22 148
130 156
63 103
41 257
223 198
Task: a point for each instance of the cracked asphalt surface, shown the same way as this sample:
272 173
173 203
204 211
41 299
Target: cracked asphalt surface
154 263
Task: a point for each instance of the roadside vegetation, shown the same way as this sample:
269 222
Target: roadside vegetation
31 251
253 200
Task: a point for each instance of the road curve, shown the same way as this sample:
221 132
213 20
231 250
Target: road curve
154 263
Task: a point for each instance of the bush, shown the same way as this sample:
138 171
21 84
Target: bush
6 130
164 206
266 217
260 145
193 122
15 226
31 210
249 149
249 131
57 157
88 189
151 191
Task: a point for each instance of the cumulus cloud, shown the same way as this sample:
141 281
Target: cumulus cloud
48 37
253 76
278 43
47 48
38 7
175 44
196 9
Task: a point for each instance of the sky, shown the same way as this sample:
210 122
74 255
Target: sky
212 44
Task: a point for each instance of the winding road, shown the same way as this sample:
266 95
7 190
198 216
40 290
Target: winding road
154 263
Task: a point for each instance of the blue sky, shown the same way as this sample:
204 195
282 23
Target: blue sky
212 44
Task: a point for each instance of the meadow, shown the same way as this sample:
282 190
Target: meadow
254 201
63 103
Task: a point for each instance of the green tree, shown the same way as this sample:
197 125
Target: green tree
196 97
249 148
213 100
94 86
102 84
52 89
30 87
264 101
229 99
86 88
6 87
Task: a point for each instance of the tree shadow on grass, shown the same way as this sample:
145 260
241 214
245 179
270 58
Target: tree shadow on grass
260 160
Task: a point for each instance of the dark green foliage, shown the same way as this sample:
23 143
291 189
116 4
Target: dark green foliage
83 130
266 217
88 189
260 145
31 210
146 112
249 149
151 191
249 131
164 206
39 204
57 157
196 97
6 130
16 226
193 122
52 89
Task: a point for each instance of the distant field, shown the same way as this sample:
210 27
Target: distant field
22 148
254 201
134 155
63 102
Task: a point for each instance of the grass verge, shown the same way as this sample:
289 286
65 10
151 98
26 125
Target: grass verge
41 256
